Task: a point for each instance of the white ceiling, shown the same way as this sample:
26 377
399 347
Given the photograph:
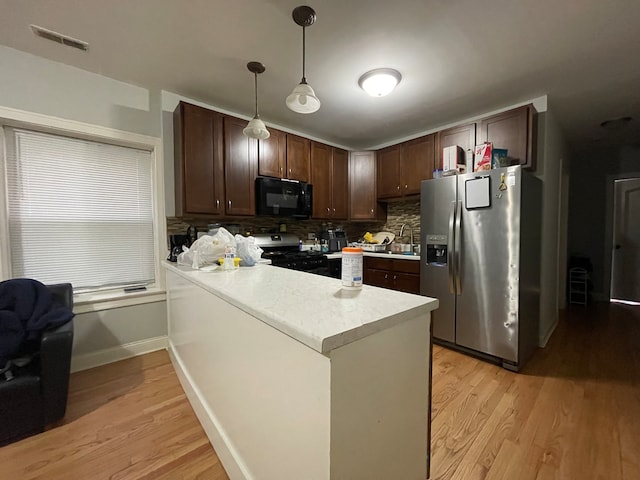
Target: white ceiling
458 58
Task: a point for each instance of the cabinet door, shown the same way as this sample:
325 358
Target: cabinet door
321 180
378 278
340 184
298 153
272 155
240 168
416 163
388 181
512 130
199 182
406 282
463 136
363 201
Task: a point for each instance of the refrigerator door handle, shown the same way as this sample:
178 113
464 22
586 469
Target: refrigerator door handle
458 247
450 256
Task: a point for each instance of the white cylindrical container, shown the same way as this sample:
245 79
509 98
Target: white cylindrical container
352 268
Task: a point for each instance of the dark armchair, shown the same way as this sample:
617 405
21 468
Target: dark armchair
37 394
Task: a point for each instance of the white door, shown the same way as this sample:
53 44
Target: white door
625 263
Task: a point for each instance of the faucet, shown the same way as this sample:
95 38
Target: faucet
410 232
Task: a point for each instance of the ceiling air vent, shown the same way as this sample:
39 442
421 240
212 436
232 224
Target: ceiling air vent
59 38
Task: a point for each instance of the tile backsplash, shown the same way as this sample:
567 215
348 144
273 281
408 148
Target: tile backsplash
407 212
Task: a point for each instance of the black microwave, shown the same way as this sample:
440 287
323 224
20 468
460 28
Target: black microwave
283 198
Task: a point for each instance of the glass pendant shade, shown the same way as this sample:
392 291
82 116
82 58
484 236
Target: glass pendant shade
303 99
256 129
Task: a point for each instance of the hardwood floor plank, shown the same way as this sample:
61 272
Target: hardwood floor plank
573 412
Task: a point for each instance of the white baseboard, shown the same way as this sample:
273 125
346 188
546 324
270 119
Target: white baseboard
228 456
120 352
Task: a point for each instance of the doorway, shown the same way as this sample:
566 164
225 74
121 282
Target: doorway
625 254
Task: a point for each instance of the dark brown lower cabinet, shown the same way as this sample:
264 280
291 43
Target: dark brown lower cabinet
392 273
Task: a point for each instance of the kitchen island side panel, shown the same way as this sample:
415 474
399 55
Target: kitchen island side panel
380 404
265 395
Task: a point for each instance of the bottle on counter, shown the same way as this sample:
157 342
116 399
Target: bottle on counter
229 257
352 268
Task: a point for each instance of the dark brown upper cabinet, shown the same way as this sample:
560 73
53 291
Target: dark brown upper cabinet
298 158
513 130
389 172
363 199
198 161
463 136
240 168
402 167
329 177
417 163
272 155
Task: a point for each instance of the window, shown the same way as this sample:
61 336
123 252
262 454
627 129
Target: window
79 211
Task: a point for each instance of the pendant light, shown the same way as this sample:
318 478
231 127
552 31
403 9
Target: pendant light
256 127
303 99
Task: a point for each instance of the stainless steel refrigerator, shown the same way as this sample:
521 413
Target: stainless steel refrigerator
480 235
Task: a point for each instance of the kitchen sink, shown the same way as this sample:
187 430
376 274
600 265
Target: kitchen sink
400 248
404 249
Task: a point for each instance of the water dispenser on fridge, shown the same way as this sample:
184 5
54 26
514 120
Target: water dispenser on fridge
437 250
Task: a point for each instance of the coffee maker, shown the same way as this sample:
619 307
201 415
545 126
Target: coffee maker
336 238
176 242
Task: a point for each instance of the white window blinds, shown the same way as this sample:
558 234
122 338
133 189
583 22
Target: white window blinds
79 211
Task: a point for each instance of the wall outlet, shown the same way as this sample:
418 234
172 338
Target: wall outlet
311 236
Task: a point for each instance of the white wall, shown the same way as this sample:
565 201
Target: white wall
589 235
33 84
552 154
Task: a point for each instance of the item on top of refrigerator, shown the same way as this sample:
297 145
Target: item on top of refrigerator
499 158
482 157
451 157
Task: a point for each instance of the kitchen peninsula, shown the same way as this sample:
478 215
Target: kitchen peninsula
293 377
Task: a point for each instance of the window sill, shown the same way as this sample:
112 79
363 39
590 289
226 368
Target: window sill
94 302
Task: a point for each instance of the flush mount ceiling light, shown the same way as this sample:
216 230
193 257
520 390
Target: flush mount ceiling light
303 99
380 82
256 127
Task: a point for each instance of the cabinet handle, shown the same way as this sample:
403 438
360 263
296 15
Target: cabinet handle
328 210
280 170
334 210
406 186
229 204
372 211
218 203
398 187
289 172
395 277
386 276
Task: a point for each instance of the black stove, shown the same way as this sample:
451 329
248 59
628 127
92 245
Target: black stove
283 251
306 261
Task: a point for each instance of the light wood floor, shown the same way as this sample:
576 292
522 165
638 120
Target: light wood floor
573 413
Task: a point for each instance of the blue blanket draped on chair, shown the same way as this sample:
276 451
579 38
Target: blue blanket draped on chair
26 310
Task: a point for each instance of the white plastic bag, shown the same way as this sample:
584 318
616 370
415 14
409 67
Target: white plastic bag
247 250
206 250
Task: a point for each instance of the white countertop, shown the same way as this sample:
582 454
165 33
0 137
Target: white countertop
313 309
